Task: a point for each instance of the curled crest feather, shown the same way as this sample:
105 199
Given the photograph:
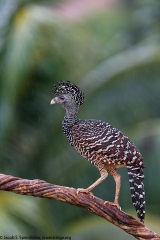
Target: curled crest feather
69 88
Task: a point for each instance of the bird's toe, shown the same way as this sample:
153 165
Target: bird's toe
113 204
83 190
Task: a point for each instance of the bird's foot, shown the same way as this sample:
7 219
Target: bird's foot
113 204
85 190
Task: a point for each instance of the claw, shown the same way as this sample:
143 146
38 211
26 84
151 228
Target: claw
85 191
113 204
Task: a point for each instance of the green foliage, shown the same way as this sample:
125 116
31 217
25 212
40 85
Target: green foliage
114 57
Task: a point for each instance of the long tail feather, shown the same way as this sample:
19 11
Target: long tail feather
136 177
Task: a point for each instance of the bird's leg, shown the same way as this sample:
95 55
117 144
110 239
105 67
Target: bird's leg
117 179
104 175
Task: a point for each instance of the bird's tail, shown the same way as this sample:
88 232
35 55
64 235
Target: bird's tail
136 177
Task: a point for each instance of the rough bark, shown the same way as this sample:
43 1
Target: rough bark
40 188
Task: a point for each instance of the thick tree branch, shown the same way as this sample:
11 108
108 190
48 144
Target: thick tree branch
39 188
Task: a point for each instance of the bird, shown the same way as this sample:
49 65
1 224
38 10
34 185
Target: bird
102 145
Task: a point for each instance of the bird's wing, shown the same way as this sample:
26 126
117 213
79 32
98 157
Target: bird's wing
109 144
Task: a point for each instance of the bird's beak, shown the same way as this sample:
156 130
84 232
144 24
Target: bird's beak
54 101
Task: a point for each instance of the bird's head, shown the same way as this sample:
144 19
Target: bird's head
68 95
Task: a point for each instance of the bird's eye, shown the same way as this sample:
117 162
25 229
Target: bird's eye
62 97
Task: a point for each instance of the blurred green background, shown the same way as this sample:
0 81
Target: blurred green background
113 54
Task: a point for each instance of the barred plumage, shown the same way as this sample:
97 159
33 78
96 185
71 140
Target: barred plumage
136 177
101 144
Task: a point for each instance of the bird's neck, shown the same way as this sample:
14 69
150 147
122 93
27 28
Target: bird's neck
69 120
71 116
